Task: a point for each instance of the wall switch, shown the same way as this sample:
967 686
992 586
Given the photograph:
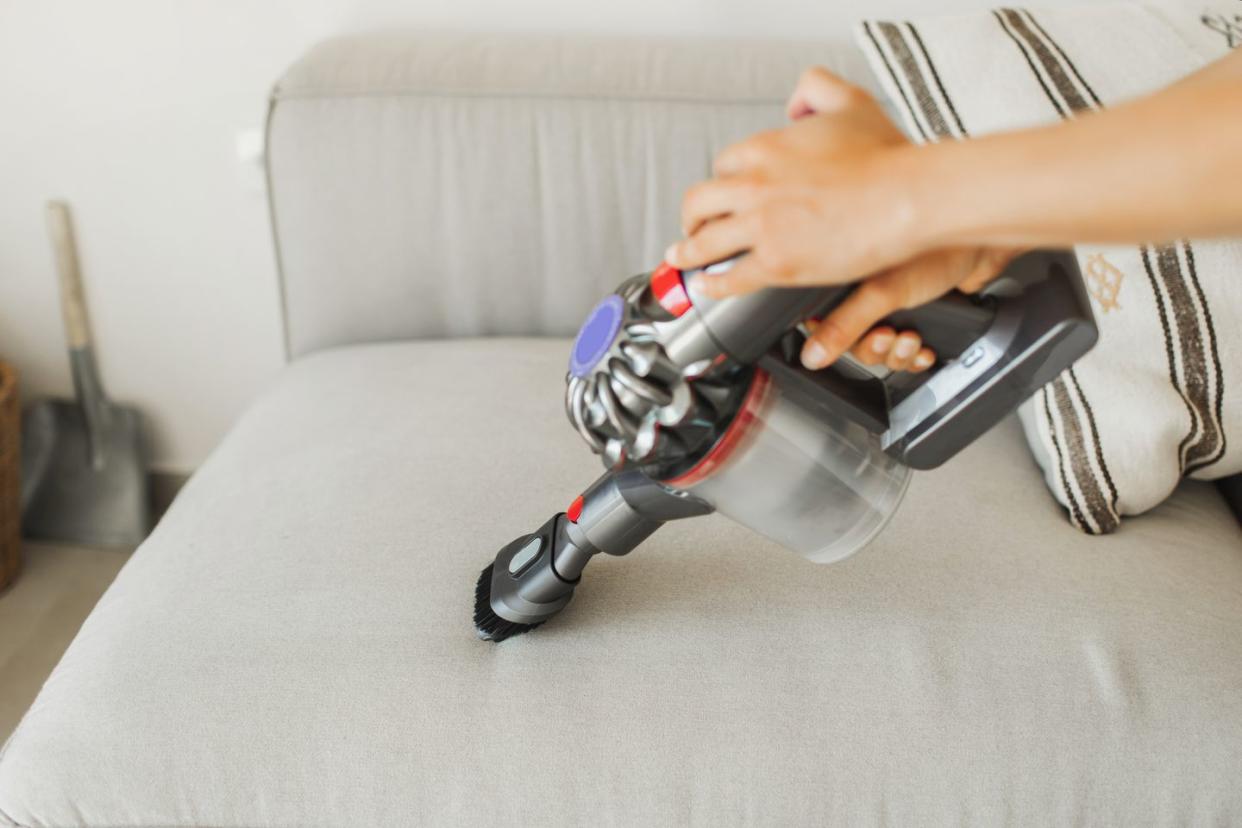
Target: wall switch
249 143
251 174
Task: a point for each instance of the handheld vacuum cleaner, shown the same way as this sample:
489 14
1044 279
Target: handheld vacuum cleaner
698 405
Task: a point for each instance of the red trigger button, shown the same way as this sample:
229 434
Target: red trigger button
668 289
575 510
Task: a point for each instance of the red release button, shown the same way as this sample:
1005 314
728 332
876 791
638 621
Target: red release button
669 291
575 510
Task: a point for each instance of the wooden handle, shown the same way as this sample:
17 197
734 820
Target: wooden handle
72 302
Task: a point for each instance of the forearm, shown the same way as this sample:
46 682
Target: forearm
1163 167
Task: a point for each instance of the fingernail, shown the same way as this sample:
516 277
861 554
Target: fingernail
670 253
814 356
880 343
923 360
906 346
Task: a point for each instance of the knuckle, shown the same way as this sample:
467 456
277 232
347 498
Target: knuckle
854 95
833 337
772 259
865 355
763 145
693 200
819 76
726 158
814 76
749 188
691 197
879 293
687 206
898 294
763 221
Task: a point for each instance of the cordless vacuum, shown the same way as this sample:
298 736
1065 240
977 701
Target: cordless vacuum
698 405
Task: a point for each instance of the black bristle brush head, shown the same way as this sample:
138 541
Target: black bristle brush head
487 624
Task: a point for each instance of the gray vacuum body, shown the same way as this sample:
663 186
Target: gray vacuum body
697 405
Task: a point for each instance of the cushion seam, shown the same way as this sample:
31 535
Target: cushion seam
279 95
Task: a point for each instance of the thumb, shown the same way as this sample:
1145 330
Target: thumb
870 302
819 90
744 277
987 266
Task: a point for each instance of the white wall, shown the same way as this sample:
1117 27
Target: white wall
130 110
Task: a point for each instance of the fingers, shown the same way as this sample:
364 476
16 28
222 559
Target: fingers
907 353
987 266
744 277
715 199
715 241
746 156
873 348
870 302
898 352
908 285
819 90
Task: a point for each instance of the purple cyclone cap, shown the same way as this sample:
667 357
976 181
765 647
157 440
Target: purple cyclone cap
596 335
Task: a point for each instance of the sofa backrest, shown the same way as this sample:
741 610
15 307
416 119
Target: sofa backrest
432 185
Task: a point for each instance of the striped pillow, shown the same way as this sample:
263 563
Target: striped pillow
1115 433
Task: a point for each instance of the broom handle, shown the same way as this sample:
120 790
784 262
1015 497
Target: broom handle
72 300
86 381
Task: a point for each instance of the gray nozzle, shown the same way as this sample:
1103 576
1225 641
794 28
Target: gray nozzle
528 586
533 577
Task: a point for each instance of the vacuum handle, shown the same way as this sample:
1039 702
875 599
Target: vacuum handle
1043 323
995 351
948 325
746 327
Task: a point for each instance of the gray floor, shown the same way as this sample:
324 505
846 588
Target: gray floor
40 614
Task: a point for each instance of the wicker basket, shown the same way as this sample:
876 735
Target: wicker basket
10 462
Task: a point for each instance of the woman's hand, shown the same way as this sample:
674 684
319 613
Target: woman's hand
916 282
824 201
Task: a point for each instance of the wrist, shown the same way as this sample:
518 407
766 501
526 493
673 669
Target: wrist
921 213
985 192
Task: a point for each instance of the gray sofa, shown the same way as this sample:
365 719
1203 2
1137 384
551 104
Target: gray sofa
293 644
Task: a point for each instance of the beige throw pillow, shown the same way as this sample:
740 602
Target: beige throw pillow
1160 396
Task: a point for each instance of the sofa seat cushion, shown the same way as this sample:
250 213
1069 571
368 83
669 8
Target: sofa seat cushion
293 644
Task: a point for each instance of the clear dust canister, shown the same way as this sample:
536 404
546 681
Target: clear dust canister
808 478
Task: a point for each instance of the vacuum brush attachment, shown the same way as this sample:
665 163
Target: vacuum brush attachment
487 624
532 579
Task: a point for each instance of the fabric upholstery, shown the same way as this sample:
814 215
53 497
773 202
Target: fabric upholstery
1153 401
539 172
293 645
